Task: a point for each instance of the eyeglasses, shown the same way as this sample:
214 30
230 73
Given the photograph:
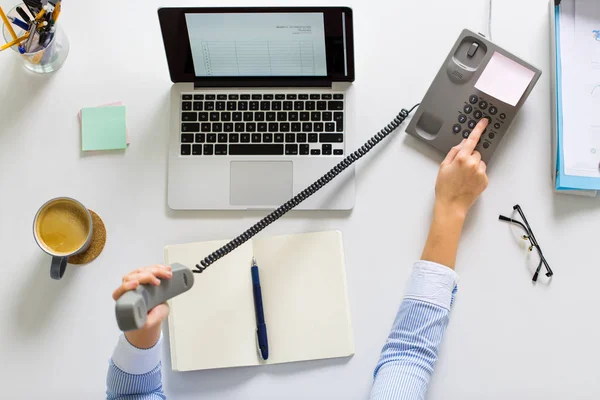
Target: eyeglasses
532 241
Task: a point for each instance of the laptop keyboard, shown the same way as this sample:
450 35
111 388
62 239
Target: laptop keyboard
262 124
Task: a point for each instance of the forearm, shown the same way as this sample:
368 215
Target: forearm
135 373
442 243
409 355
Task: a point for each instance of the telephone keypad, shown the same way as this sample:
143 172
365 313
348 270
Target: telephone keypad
476 106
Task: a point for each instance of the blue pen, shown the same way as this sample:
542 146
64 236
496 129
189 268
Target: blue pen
21 24
261 326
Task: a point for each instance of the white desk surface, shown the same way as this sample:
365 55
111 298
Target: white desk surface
507 338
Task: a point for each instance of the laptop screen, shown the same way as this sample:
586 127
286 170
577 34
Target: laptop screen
258 44
218 46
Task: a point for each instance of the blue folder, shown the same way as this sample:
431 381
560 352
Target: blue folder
563 181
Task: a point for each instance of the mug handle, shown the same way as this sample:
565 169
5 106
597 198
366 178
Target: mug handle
58 267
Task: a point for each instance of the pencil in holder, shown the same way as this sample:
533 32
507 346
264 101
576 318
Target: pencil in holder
41 52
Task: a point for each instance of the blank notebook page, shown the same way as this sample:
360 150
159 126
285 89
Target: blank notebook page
305 300
303 282
212 325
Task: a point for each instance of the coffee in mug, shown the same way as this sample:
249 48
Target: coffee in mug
62 228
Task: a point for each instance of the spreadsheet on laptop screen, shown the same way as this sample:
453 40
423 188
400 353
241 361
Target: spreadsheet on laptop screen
257 44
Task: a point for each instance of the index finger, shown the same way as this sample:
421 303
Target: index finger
471 142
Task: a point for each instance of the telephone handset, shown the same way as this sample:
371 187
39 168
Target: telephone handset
477 80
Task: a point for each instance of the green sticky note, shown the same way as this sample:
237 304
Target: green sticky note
103 128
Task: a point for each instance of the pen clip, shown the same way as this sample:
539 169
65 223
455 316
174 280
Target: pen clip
258 349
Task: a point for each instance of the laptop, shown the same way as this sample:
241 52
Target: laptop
258 106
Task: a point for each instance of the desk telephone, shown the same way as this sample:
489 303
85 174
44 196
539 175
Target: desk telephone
477 80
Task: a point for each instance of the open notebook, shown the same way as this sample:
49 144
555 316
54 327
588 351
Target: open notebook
305 299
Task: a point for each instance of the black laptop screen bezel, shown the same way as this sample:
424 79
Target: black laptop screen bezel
340 61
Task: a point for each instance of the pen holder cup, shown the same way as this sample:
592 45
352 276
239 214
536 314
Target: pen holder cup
41 58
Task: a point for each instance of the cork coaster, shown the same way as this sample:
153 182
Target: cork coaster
98 242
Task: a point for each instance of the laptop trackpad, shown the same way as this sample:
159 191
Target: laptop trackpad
261 183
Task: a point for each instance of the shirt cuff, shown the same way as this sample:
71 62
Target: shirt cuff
433 283
135 361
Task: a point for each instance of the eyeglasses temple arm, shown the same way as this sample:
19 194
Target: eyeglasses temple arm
503 218
537 272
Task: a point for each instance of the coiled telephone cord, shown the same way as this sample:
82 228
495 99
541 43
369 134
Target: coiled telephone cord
305 194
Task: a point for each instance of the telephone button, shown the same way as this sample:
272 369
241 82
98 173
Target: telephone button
456 128
477 114
483 104
502 116
486 145
473 99
466 134
497 125
493 110
492 135
462 118
472 124
468 109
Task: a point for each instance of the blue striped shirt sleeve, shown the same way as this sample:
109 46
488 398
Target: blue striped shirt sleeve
409 355
135 374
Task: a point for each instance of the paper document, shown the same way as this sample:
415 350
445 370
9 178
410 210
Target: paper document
258 44
505 79
580 60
